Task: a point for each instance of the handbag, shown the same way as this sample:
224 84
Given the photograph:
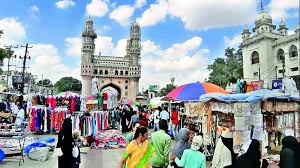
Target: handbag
57 152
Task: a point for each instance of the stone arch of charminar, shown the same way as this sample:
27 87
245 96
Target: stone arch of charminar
113 86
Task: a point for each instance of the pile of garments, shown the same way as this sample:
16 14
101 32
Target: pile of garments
110 139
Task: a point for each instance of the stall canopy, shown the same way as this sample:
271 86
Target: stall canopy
155 102
192 91
252 97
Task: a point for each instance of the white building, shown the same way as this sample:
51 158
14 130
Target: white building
269 54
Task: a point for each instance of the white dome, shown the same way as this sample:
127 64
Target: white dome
263 18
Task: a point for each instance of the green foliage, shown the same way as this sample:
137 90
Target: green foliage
228 69
45 82
164 91
4 53
68 84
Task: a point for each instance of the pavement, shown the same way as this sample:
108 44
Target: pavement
109 158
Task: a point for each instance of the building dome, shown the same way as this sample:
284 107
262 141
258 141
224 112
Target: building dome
263 18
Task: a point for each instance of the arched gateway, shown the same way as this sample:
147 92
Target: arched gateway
121 73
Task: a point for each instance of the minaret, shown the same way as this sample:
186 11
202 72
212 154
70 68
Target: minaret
282 28
87 56
246 33
133 50
133 47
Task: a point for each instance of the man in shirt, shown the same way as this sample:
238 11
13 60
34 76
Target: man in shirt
164 114
161 142
20 117
156 118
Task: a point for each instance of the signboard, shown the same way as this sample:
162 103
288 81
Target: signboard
153 88
276 84
257 84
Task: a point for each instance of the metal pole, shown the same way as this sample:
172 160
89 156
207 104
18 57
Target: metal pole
8 64
24 67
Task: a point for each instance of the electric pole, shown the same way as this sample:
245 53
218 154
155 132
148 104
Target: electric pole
8 63
24 66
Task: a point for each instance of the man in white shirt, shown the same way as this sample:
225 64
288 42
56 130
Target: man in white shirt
20 117
156 119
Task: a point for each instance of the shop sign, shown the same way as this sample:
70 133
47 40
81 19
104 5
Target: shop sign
276 84
257 84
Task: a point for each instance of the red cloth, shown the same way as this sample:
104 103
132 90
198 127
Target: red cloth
72 104
49 101
174 118
104 96
53 102
33 119
53 120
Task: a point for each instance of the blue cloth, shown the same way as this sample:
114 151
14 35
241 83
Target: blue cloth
164 115
2 155
34 145
191 91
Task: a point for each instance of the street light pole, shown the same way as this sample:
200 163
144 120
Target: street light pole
24 66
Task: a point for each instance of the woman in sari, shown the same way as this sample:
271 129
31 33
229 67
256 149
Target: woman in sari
138 152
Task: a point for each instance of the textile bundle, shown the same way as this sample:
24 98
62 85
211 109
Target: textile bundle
110 139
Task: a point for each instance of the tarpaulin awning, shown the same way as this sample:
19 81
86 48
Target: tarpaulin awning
192 91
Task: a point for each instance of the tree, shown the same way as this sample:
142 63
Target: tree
68 84
227 70
4 53
45 82
164 91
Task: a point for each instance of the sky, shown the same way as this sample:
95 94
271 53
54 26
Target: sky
180 38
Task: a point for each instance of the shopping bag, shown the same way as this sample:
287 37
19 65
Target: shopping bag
57 152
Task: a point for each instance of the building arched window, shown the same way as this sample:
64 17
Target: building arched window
126 81
293 51
100 72
116 72
121 72
280 55
106 72
95 71
255 57
126 72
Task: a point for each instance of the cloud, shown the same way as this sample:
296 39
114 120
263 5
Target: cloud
14 31
34 8
46 60
233 42
64 4
140 3
154 14
197 14
188 65
97 8
73 45
278 9
122 14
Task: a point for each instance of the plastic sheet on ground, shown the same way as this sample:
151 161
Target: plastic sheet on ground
43 142
110 139
2 155
39 154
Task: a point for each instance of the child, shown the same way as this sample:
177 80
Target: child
192 158
76 150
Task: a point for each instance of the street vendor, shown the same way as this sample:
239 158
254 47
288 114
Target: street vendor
20 116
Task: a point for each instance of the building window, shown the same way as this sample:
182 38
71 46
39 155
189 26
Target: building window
255 74
294 69
100 72
126 87
106 72
121 72
95 71
280 71
255 57
116 72
102 81
280 55
293 51
126 72
126 81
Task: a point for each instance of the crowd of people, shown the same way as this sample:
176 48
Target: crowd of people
157 152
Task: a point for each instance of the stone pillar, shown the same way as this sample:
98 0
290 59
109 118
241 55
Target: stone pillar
86 85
